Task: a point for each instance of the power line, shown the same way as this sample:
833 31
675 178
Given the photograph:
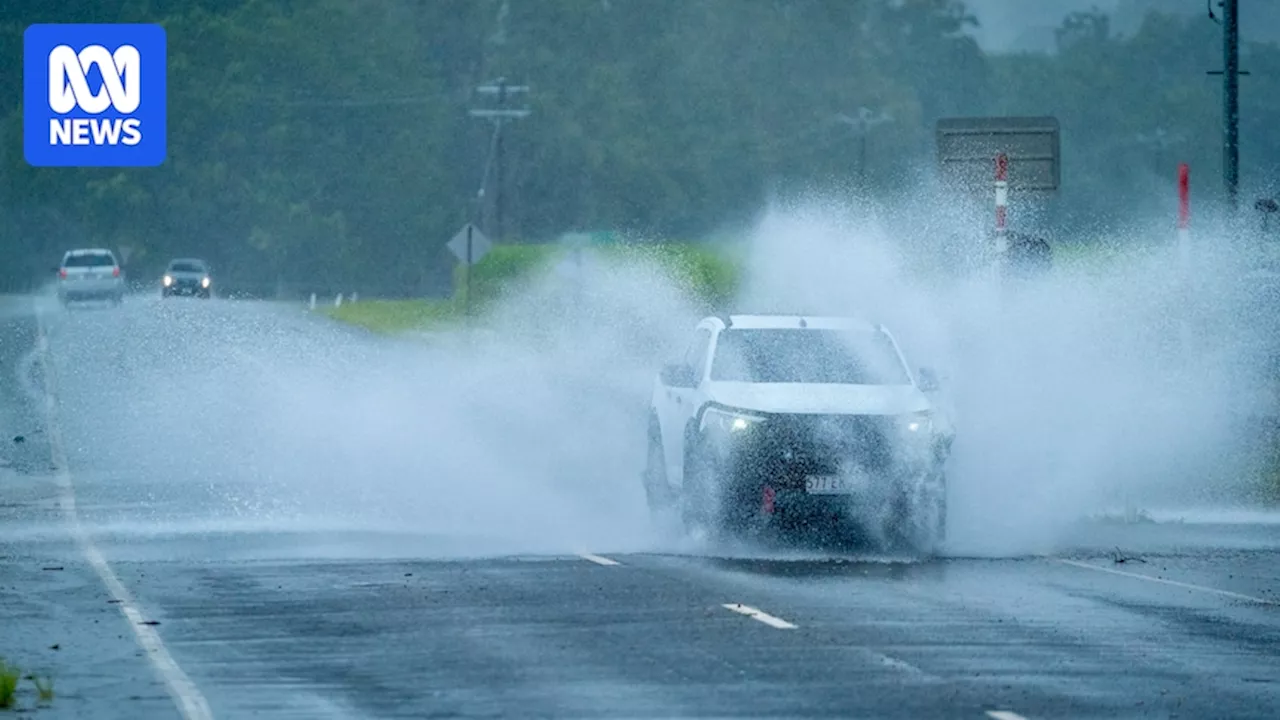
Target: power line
346 102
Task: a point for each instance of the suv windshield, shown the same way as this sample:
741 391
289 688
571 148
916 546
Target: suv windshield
89 260
186 267
787 355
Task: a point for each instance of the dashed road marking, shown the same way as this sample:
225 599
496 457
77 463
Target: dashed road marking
190 702
760 615
598 559
1004 715
1173 583
896 664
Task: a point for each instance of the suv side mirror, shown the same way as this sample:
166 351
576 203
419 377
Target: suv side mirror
678 375
928 380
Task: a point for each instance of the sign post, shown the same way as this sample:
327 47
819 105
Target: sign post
469 245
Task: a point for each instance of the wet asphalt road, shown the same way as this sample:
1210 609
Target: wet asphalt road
275 596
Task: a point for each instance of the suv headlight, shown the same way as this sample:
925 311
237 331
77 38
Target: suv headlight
727 422
918 424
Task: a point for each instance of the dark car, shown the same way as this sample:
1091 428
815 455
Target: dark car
187 276
1028 256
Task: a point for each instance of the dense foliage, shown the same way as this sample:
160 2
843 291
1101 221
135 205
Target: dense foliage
327 144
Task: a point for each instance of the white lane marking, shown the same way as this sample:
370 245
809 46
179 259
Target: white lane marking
760 615
184 692
896 664
1004 715
1173 583
598 559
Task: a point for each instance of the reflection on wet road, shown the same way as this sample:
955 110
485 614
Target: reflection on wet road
282 589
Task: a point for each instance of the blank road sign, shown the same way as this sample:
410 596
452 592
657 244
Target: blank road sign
480 244
967 148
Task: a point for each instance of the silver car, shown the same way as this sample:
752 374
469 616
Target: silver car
90 274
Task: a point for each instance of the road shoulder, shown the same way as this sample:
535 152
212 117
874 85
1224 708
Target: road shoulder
56 618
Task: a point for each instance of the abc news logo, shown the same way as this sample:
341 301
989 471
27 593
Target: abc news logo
69 89
94 94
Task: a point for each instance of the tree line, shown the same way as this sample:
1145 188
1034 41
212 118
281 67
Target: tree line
329 143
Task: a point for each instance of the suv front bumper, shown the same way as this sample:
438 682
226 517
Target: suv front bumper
185 288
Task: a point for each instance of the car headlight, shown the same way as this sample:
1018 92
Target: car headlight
204 282
920 423
168 281
729 422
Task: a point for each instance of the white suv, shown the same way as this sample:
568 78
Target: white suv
786 421
90 274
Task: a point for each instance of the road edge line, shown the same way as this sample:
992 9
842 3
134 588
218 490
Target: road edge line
186 696
598 559
1173 583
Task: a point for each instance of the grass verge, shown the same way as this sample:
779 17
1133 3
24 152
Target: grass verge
9 676
706 273
396 316
44 687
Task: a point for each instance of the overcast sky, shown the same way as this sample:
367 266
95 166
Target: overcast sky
1029 24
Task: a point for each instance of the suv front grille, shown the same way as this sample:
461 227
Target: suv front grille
792 446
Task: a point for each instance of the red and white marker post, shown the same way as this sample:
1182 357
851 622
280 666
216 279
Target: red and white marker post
1002 202
1184 219
1000 261
1184 254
